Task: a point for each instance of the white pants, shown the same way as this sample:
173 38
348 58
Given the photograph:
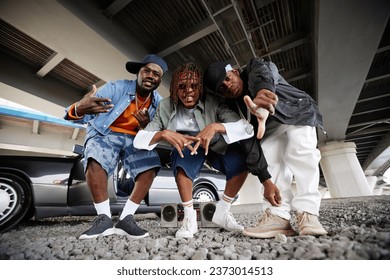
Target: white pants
291 152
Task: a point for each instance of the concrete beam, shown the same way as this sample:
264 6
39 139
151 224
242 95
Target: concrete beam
200 31
347 45
53 62
117 6
378 156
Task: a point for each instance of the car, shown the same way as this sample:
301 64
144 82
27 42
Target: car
53 186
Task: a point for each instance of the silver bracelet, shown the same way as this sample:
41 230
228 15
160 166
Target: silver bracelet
75 110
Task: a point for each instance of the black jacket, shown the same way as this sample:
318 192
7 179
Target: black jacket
295 107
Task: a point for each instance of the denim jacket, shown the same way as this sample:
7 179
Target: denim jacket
121 93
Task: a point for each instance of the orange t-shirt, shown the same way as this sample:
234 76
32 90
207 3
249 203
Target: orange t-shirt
126 122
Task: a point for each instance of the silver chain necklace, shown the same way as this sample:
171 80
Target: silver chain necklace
247 120
188 117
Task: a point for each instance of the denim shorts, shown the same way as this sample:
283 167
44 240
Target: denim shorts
109 149
231 163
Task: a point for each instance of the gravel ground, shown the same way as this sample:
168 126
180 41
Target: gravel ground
358 228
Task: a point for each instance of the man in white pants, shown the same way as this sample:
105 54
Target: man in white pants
289 143
292 154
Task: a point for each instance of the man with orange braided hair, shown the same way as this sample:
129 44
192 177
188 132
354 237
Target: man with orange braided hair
198 127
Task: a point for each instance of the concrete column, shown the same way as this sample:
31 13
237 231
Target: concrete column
342 171
371 180
375 190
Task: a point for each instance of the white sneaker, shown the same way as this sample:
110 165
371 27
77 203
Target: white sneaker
189 227
225 219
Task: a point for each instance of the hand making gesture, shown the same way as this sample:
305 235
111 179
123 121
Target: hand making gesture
180 141
90 104
204 137
142 117
261 106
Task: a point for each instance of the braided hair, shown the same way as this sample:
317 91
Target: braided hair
187 71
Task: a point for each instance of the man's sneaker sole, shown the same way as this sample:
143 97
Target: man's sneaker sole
184 236
180 235
107 232
120 231
229 229
220 221
269 234
308 231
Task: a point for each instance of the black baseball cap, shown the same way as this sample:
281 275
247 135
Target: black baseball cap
214 75
134 67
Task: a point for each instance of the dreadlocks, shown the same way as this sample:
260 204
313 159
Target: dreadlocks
188 72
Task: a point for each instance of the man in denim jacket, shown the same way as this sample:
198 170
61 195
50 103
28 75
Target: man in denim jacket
289 143
114 115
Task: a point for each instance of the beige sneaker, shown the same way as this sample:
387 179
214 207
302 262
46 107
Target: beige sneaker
269 226
308 224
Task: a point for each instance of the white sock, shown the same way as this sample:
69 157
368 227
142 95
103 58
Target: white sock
129 209
103 208
226 201
188 207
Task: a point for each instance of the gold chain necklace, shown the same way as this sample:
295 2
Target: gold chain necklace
143 104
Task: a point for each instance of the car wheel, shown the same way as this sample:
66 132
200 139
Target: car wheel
203 193
15 200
